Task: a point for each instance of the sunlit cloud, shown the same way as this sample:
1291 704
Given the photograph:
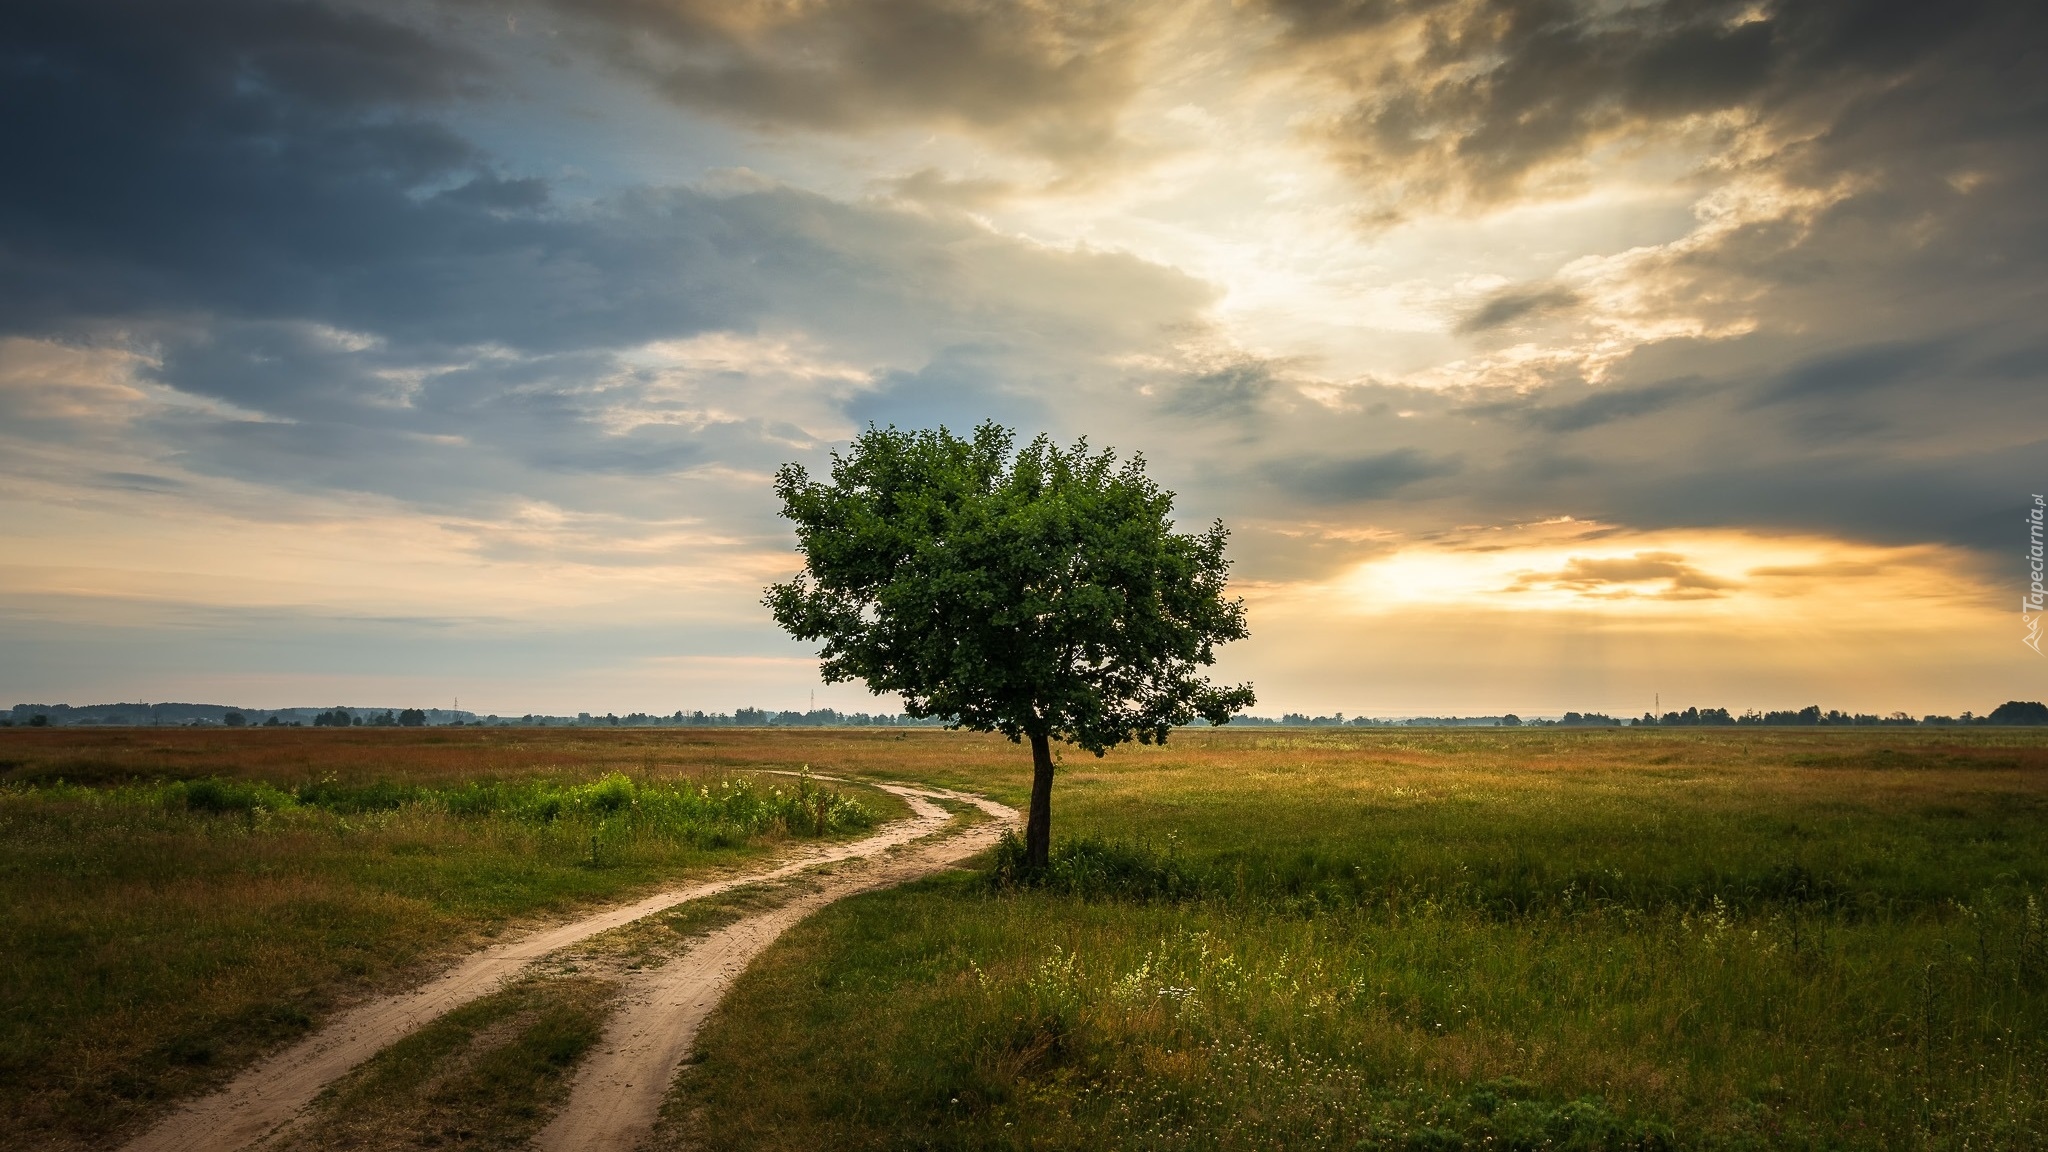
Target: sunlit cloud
1577 566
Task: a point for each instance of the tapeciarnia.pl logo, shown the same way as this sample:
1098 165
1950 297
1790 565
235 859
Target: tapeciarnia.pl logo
2035 602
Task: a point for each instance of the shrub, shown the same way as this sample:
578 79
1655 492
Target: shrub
214 794
376 796
1097 869
607 795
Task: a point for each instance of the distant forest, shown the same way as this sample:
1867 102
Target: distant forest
1811 716
230 716
233 716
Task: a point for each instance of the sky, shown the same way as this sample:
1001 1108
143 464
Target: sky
1539 355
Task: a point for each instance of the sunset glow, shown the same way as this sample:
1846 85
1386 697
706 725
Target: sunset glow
1535 361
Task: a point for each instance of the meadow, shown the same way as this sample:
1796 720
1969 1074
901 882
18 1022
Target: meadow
1439 939
1266 938
173 903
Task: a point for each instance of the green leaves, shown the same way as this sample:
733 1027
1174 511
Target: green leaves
1042 592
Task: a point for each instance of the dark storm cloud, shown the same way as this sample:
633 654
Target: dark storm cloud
266 197
1048 77
280 161
166 155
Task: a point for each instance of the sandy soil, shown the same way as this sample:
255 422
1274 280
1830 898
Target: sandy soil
639 1048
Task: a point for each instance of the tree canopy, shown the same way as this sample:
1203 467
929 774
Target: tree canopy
1041 593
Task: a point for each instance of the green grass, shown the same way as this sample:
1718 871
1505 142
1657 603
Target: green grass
1439 940
653 940
1390 939
158 932
487 1075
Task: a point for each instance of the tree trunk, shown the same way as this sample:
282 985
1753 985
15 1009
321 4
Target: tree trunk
1038 825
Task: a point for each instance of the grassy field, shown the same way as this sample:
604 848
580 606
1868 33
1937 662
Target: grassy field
173 903
1439 939
487 1075
1426 939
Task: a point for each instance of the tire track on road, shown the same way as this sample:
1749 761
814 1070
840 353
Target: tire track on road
617 1092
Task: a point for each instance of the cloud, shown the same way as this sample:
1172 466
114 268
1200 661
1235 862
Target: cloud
1473 101
283 162
296 260
324 286
1371 477
1528 301
1480 101
329 257
1963 499
931 186
1852 373
1620 577
1603 406
1049 78
157 151
1233 391
1830 570
958 390
1844 342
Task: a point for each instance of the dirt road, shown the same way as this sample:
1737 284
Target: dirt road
619 1089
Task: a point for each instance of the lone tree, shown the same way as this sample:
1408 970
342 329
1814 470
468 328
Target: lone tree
1042 594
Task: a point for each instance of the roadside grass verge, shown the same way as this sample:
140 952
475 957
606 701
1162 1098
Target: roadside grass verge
654 940
158 933
1439 941
487 1075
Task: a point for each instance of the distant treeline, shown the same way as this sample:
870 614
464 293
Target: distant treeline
742 718
231 716
181 715
1302 720
222 715
2010 712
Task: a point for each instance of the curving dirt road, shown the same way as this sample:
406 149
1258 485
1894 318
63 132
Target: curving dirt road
619 1089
